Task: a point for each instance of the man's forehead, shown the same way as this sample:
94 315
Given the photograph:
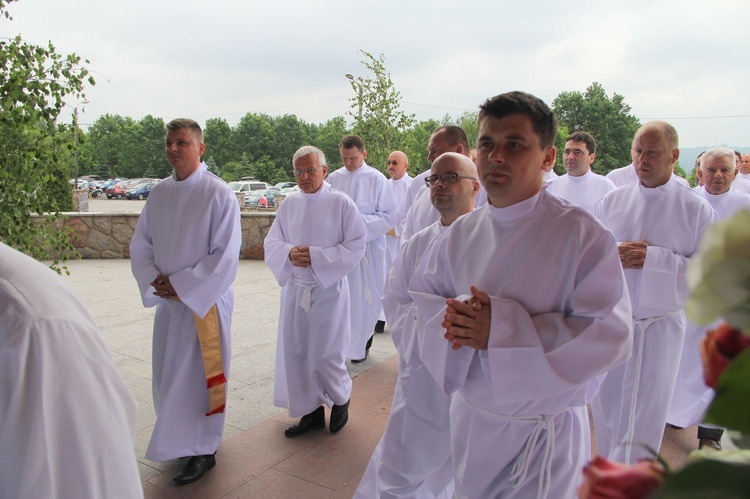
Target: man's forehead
307 160
576 144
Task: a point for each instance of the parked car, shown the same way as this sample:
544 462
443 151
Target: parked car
248 186
269 195
117 190
140 191
285 185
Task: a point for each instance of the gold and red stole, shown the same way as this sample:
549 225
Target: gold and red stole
210 341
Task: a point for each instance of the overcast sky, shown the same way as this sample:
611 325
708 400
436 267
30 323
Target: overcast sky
675 60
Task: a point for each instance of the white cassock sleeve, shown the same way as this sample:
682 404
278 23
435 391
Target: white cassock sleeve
200 287
142 259
276 247
532 356
331 264
386 211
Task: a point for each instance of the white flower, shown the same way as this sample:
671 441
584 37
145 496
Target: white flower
719 276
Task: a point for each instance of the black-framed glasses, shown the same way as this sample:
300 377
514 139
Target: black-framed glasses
446 179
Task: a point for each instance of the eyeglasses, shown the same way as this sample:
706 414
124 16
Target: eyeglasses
447 179
309 172
392 162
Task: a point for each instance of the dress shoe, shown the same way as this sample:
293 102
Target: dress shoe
195 468
357 361
339 417
710 443
316 420
380 327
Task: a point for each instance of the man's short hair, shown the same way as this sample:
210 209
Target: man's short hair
584 137
306 151
720 152
666 130
739 156
543 120
455 135
181 123
351 141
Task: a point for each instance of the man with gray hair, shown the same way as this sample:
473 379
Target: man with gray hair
691 396
317 238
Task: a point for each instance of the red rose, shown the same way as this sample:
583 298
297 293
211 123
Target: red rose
605 479
718 348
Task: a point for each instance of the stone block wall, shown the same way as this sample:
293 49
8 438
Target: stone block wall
107 235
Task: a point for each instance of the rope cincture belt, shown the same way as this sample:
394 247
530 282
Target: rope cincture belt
209 336
642 324
308 286
521 465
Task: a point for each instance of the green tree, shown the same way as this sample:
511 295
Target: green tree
327 137
108 141
148 152
289 134
607 119
35 82
235 170
220 143
414 145
382 121
254 136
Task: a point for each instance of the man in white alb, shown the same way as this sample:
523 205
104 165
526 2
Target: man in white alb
399 181
370 191
580 185
691 396
184 255
317 238
658 224
413 457
418 210
507 348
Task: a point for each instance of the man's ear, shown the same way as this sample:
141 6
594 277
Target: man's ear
549 158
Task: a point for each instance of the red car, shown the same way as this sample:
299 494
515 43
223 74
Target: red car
117 190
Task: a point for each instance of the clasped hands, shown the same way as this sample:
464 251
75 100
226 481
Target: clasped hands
468 323
164 288
300 256
633 254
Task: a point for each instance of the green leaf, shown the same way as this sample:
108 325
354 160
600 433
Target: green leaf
709 479
731 405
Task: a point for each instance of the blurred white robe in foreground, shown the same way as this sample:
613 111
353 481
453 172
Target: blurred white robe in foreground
67 418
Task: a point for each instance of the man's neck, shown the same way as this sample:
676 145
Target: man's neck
183 173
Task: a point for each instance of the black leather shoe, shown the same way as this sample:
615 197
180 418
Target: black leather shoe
195 468
316 420
380 327
339 417
357 361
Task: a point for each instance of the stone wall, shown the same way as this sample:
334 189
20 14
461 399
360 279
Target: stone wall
107 235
